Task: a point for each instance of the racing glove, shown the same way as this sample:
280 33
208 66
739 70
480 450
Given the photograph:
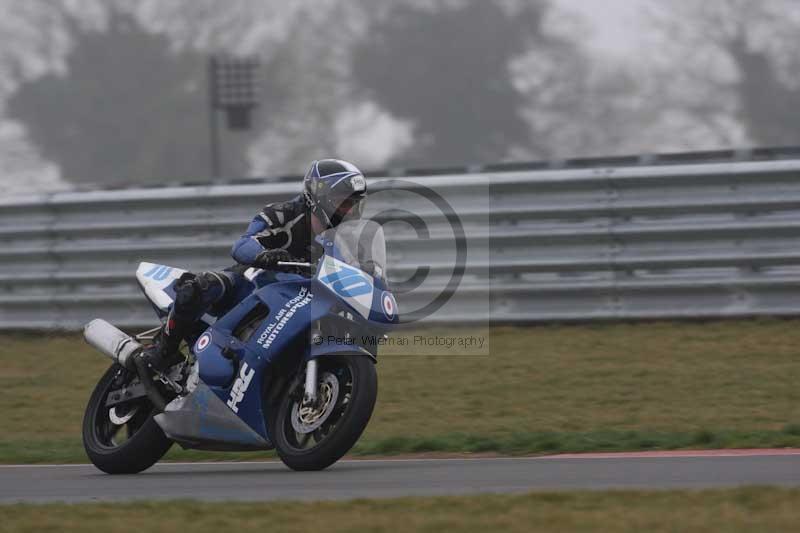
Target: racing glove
270 258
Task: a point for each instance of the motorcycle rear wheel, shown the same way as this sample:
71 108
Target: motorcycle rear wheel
314 438
121 448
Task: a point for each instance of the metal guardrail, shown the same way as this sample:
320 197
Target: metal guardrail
773 153
662 241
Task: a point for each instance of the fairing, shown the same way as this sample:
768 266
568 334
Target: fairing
236 367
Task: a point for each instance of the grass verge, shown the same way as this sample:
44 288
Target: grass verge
743 509
540 390
523 443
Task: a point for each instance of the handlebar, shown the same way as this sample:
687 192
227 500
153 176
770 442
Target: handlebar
297 267
299 264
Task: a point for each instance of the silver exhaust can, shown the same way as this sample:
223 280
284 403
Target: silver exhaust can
112 342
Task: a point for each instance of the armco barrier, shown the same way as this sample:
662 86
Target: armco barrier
667 241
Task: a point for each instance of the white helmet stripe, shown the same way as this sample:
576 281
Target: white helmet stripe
349 175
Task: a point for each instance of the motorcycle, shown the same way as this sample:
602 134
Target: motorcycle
291 367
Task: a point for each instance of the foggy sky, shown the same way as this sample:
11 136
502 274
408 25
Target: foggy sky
615 25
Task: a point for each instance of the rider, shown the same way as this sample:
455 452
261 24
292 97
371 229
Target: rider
333 191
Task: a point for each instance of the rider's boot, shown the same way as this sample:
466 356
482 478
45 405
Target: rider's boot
194 293
163 353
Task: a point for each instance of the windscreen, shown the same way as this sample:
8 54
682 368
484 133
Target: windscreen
360 243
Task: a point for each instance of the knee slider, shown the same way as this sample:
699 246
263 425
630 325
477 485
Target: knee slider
214 285
187 292
210 279
194 292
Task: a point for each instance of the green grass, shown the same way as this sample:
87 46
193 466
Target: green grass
732 510
541 390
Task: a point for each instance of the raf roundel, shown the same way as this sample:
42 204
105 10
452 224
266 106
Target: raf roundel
388 304
202 342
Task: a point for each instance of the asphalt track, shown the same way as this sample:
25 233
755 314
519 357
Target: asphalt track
401 477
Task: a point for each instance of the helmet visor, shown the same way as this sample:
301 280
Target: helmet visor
350 208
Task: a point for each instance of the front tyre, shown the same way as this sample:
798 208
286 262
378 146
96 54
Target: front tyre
123 439
313 437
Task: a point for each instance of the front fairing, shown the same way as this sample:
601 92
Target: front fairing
227 362
355 273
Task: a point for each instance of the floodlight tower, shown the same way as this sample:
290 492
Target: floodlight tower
232 88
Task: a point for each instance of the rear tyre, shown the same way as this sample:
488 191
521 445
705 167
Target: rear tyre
126 440
315 437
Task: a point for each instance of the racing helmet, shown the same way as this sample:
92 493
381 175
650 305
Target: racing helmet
334 191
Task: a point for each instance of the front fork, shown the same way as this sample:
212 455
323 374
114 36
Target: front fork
310 395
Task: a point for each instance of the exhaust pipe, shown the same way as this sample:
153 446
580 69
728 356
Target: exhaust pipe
122 348
112 342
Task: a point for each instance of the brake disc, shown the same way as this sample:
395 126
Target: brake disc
308 418
118 420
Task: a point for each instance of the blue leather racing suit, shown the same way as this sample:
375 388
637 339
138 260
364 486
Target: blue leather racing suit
278 226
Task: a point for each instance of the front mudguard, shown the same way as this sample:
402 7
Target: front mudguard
327 350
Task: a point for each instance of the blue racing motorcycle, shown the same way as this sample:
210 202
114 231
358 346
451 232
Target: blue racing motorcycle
291 367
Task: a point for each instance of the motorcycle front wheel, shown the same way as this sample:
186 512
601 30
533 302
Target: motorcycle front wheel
313 437
123 439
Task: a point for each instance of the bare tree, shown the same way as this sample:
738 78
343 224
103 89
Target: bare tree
126 110
49 46
732 62
479 80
